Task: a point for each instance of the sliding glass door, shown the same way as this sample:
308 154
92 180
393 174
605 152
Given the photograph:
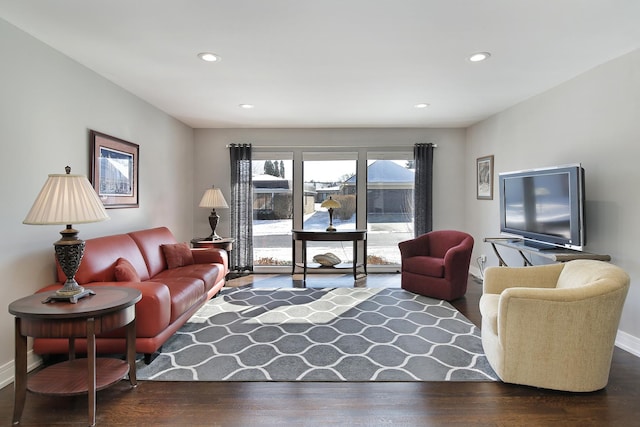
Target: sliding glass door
374 190
272 208
390 179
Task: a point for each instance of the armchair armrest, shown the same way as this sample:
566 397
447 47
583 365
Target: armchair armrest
414 247
497 279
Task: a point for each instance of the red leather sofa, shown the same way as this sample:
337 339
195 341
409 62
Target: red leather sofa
172 291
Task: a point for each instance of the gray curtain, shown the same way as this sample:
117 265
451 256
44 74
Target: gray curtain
241 208
423 189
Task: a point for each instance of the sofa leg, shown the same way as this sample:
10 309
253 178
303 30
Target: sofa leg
150 357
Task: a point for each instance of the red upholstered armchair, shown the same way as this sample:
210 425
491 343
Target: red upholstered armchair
436 264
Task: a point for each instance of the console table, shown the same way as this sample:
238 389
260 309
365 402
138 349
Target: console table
110 308
554 254
340 235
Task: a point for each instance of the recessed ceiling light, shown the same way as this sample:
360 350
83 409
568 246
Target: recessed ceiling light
421 105
479 56
246 106
209 57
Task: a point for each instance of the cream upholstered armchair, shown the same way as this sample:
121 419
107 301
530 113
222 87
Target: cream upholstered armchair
553 326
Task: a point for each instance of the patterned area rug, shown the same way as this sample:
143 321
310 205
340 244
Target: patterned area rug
339 334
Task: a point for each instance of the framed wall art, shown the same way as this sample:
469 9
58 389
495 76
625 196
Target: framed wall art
484 176
114 170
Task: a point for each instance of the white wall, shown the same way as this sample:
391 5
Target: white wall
212 161
48 103
593 119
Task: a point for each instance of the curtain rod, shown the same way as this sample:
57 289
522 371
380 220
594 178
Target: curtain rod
333 146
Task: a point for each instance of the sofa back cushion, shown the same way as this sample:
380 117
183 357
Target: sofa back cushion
150 243
101 255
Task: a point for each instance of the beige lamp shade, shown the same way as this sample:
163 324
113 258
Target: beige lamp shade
330 203
213 198
66 199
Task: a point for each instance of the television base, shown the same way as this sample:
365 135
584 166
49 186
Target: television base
556 255
539 246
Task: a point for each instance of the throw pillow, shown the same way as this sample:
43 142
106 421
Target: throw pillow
125 271
177 255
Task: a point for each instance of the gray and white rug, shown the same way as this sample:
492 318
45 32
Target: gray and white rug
327 334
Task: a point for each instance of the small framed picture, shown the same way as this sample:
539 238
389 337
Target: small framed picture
114 170
484 175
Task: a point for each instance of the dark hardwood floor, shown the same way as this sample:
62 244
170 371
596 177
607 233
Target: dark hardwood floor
344 404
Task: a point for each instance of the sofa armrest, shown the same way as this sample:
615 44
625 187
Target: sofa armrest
153 311
211 256
497 279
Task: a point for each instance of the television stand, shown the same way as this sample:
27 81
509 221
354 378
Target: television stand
538 246
555 254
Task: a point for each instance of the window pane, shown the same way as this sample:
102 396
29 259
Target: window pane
389 208
272 211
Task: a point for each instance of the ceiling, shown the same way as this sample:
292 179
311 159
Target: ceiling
333 63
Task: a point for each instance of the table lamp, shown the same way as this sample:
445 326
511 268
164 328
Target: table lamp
330 204
67 199
213 198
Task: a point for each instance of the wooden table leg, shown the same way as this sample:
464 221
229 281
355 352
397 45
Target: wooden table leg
91 369
304 260
20 366
131 352
355 257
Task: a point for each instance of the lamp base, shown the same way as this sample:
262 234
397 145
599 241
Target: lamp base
331 228
72 298
213 223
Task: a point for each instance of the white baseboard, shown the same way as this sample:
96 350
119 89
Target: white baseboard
7 370
475 272
628 343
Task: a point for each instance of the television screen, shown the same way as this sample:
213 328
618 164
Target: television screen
544 205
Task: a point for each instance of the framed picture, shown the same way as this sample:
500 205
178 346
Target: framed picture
484 175
114 170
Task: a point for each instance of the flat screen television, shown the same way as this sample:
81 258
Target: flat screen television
544 206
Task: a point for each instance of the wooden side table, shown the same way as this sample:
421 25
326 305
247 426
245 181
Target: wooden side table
225 243
110 308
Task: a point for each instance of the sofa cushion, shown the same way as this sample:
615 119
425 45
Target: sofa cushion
148 242
177 255
425 265
210 274
184 293
125 271
101 255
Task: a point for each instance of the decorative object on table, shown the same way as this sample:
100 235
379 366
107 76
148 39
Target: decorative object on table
213 198
67 199
327 260
114 170
330 204
484 174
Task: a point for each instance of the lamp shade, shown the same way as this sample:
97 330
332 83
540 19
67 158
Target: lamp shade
213 198
330 203
66 199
